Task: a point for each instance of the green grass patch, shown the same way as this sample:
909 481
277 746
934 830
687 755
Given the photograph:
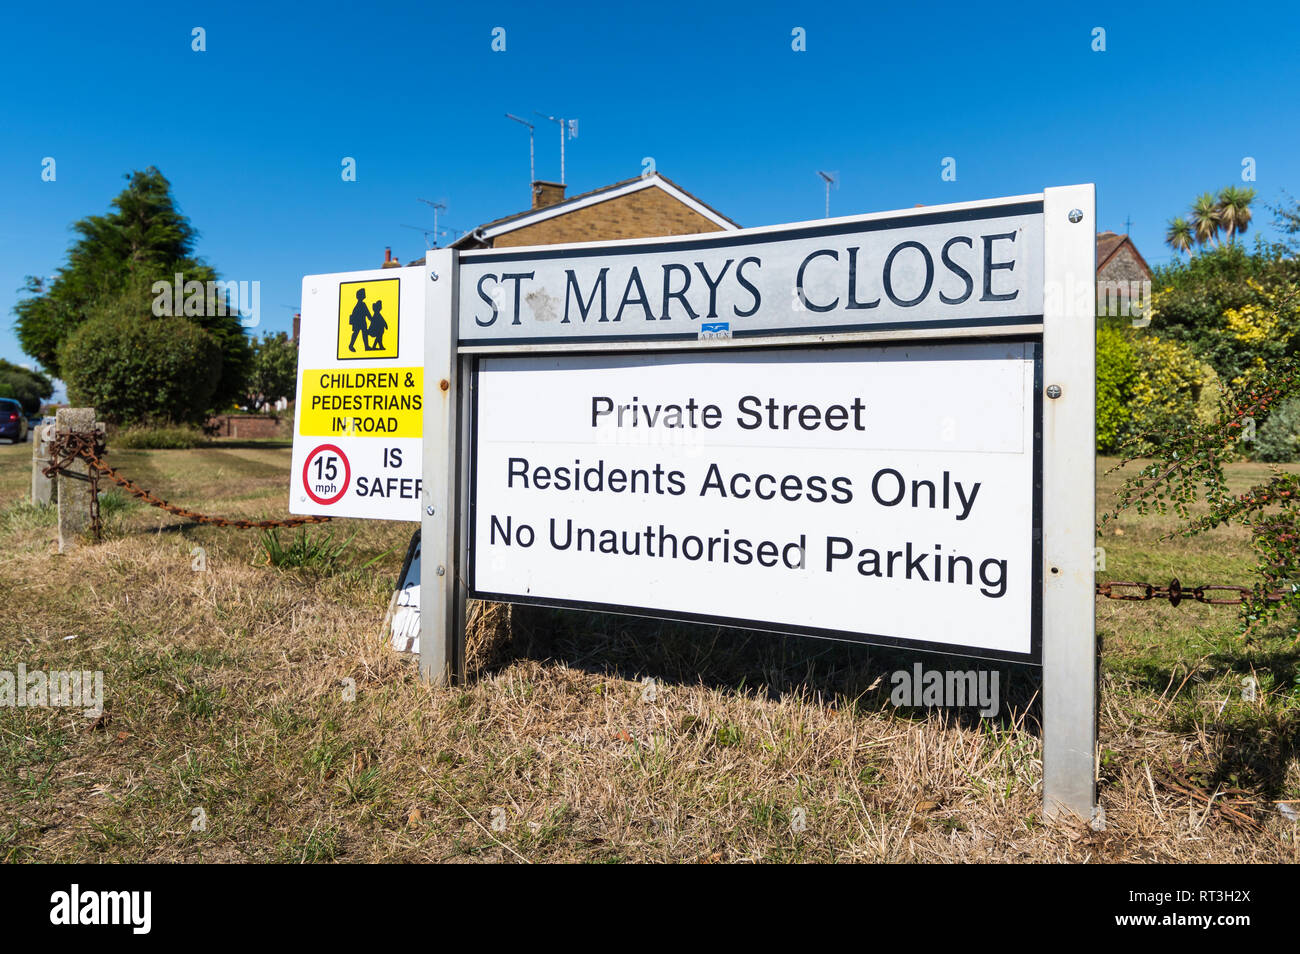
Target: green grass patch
113 502
25 515
160 437
305 550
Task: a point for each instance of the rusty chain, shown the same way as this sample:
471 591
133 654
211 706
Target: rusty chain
1176 593
66 448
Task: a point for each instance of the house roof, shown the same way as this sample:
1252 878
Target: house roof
1108 246
510 223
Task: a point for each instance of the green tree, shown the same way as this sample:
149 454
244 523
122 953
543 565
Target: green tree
1234 210
1179 235
30 388
1206 222
274 372
1216 303
141 369
143 240
1278 439
1286 217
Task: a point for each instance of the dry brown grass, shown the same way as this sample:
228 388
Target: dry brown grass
227 691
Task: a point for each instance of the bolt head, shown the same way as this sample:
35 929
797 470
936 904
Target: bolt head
433 276
442 571
1075 216
1053 391
429 511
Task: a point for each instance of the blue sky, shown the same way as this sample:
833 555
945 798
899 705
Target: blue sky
252 132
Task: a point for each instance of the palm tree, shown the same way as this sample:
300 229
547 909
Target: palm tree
1180 237
1234 210
1205 219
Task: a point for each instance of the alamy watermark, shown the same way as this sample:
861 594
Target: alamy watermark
1125 298
950 688
56 688
133 909
193 298
1112 297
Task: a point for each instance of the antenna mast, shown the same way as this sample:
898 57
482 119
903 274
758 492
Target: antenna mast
436 206
567 126
532 164
832 179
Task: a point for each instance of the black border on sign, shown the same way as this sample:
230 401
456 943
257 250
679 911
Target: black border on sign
1033 657
369 355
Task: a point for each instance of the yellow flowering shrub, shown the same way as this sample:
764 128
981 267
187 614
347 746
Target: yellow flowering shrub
1170 388
1251 325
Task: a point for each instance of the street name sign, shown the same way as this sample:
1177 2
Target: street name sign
954 268
877 429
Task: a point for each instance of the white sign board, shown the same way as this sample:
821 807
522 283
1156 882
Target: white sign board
359 420
884 494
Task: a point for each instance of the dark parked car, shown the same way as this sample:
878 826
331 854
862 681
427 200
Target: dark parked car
13 422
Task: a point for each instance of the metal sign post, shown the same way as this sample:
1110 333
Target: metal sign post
442 582
1069 506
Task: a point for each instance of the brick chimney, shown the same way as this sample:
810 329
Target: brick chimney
547 194
389 261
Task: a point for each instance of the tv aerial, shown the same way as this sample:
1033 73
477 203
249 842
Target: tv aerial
831 179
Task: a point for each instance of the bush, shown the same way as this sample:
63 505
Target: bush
115 263
29 388
1171 389
273 373
1115 372
159 437
1232 306
1278 438
134 368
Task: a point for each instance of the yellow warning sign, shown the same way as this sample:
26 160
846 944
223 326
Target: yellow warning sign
368 313
383 402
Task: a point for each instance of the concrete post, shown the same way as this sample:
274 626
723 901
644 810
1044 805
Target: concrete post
74 495
42 486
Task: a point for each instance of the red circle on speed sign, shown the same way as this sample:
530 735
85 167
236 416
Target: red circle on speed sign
327 474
